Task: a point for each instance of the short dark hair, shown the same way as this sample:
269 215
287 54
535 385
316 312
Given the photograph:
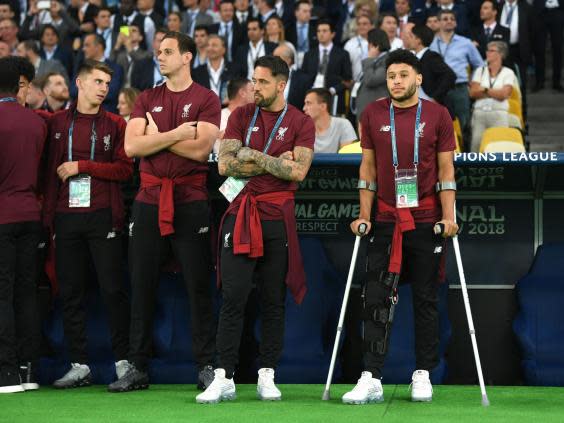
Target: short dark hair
98 39
270 3
45 78
424 33
378 38
51 27
9 75
255 19
91 65
387 15
103 9
220 38
178 14
7 3
299 3
202 28
326 22
277 66
185 43
234 86
494 5
31 45
405 57
226 2
323 96
446 12
25 68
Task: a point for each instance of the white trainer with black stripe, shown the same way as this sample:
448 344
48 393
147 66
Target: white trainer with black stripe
421 388
367 390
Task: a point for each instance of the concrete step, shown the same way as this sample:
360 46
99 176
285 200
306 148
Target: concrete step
555 127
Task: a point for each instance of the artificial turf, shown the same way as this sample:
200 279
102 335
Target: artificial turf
301 403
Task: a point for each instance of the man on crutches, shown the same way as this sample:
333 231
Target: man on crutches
407 161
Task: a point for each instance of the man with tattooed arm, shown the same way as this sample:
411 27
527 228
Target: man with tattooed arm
267 149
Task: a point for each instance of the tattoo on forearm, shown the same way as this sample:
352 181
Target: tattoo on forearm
230 165
289 170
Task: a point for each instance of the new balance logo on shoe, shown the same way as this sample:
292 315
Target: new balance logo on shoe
438 249
226 240
111 235
131 228
204 230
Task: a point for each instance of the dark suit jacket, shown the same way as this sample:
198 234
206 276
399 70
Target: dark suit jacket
292 34
500 33
202 77
299 84
339 69
526 28
238 37
438 77
143 73
240 67
63 55
288 15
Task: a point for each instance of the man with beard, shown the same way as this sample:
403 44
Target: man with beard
56 93
412 173
266 150
172 129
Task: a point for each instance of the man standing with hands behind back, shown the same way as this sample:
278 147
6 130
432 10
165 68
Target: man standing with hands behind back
407 159
172 128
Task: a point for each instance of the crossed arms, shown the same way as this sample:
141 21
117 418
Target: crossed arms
243 162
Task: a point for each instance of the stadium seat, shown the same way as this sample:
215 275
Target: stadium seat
515 109
353 148
457 128
458 143
514 121
499 140
538 325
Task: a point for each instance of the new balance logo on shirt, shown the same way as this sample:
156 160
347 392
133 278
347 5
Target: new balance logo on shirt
157 109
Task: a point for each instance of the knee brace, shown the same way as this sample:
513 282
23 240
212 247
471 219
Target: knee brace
379 301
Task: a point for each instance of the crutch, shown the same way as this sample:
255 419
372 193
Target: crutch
439 228
361 230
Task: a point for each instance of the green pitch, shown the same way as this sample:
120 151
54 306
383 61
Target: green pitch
301 403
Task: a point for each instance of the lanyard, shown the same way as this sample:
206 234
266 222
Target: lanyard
446 48
92 138
274 130
8 100
363 54
257 50
416 136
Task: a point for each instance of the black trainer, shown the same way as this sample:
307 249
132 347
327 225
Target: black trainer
205 377
133 380
10 382
27 377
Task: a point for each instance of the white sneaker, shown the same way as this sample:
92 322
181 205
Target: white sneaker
221 389
266 389
421 388
367 390
122 367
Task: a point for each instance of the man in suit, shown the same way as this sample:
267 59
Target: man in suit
30 50
216 73
517 15
93 48
266 9
438 77
329 66
128 49
301 33
285 9
146 73
490 30
460 12
247 54
51 48
550 23
103 22
147 8
193 17
228 28
298 82
242 11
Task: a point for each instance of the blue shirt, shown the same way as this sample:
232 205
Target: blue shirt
458 54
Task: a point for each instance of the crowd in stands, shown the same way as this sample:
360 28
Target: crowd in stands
475 55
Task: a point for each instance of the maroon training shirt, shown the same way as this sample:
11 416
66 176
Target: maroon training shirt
22 136
109 167
436 136
296 130
169 110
